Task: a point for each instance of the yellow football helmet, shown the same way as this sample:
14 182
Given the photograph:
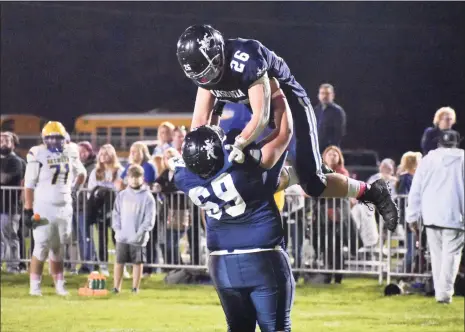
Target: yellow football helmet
54 134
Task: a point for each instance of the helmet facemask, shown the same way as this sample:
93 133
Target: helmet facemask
54 143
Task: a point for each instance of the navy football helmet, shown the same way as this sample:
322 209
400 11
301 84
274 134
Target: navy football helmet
200 52
202 151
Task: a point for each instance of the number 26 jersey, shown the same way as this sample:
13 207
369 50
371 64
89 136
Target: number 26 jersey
239 204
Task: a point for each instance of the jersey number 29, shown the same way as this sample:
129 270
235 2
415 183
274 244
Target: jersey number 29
223 188
238 64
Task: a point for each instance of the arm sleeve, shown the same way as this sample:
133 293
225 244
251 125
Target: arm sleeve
149 173
414 197
116 220
425 140
149 215
31 176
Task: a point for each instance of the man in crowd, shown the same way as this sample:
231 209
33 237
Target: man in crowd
330 117
11 174
437 196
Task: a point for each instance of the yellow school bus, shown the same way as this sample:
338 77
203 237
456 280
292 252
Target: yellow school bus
123 129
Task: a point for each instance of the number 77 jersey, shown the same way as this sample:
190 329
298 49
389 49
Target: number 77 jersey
239 204
52 174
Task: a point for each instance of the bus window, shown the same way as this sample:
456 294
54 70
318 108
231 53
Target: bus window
115 137
82 136
132 135
8 125
150 133
102 133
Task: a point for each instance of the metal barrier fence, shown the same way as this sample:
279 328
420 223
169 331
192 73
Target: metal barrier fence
325 237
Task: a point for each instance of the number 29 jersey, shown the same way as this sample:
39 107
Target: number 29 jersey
52 174
239 203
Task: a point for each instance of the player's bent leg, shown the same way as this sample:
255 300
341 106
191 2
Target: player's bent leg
273 300
234 296
56 259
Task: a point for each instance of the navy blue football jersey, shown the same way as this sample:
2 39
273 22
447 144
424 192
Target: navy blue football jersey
239 204
246 60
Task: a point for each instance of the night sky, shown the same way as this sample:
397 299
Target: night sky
393 64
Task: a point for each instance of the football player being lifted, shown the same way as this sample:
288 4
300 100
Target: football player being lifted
245 71
53 173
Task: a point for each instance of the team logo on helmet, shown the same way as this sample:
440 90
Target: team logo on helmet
205 42
209 147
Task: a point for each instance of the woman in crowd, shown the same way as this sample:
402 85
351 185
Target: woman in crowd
176 208
408 165
106 174
178 138
164 137
333 158
333 213
86 246
443 119
387 171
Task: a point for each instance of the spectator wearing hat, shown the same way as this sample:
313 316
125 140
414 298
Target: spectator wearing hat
437 197
444 119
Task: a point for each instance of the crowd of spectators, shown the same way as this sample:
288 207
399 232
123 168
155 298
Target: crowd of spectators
177 218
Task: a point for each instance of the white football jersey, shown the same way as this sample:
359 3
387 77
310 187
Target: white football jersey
52 174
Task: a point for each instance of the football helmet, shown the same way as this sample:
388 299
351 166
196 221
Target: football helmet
53 135
200 52
202 151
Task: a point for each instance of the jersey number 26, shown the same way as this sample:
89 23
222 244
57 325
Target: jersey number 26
240 58
223 188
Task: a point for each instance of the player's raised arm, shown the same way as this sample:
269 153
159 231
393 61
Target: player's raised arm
203 108
277 143
259 99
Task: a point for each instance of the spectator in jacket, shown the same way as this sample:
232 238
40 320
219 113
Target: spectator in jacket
444 119
330 117
11 174
164 137
334 159
387 171
437 197
133 220
106 174
178 138
408 165
176 208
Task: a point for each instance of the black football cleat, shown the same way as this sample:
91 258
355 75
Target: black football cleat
379 194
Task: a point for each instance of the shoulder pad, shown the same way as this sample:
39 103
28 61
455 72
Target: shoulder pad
33 154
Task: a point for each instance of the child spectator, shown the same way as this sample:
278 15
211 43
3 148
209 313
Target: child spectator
133 220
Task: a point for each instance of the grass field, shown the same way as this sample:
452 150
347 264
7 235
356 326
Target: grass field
357 305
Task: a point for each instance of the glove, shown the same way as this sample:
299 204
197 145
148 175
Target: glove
28 214
326 169
236 153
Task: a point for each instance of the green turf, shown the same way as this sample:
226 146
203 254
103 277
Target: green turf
356 305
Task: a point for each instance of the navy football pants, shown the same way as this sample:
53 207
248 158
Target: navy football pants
256 287
307 151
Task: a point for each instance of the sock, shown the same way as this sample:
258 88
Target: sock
58 277
35 281
60 284
355 188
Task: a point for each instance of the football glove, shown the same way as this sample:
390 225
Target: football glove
28 222
236 154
